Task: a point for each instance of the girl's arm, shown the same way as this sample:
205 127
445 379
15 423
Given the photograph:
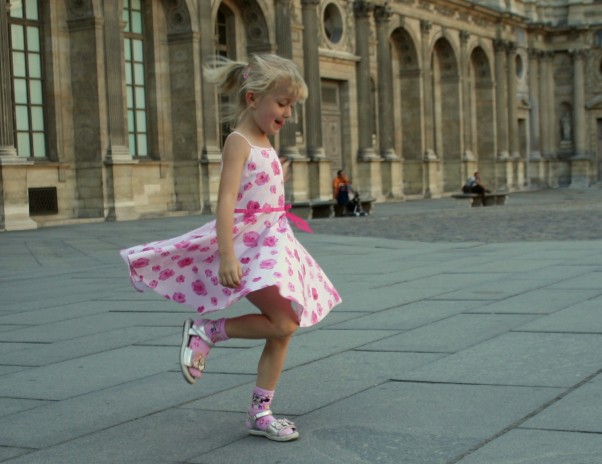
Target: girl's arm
235 153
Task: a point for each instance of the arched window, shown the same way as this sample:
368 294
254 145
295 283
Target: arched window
27 78
134 77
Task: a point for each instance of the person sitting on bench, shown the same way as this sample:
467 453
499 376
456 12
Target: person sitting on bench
473 185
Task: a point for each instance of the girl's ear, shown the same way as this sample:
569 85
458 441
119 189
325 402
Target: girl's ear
251 99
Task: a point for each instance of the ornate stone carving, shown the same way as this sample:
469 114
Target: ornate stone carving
257 29
382 14
362 8
425 26
79 9
464 36
178 17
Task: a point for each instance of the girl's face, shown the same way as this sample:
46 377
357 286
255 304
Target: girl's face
272 109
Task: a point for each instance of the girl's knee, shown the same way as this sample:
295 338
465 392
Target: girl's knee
285 328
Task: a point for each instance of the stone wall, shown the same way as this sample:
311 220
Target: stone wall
409 97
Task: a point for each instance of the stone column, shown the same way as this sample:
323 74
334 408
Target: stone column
117 149
543 106
284 43
551 132
311 61
468 156
501 98
382 16
210 149
580 162
427 84
119 193
579 117
512 109
536 174
391 175
362 10
534 89
88 92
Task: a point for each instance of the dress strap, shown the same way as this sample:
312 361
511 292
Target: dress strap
239 133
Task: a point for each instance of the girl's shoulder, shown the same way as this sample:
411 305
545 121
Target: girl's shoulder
248 141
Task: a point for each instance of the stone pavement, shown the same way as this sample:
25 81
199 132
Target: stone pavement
469 336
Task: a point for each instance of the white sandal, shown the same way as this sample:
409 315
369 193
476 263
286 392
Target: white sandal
189 358
274 430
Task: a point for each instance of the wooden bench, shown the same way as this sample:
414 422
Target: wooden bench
476 199
314 209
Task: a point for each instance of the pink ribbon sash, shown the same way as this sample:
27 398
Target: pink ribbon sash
301 224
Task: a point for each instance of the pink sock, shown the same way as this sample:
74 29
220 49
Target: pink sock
262 401
215 330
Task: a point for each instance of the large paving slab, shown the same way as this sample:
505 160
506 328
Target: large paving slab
529 359
539 447
452 334
579 411
395 423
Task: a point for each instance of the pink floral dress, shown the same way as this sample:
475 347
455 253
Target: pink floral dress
185 268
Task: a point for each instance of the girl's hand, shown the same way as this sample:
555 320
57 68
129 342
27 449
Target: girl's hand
230 272
286 164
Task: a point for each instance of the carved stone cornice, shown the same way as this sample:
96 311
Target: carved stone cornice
362 8
310 2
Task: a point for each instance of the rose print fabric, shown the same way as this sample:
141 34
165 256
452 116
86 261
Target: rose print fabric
185 268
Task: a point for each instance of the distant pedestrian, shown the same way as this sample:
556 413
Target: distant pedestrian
249 250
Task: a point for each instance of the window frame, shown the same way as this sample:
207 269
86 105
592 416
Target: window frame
25 22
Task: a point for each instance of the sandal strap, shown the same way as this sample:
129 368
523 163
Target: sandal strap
261 414
199 331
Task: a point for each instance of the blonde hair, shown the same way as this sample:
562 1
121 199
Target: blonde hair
260 75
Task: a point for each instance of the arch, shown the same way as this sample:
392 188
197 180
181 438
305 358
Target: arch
482 96
447 121
250 20
406 60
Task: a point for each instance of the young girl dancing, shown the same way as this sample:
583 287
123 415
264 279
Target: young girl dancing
249 250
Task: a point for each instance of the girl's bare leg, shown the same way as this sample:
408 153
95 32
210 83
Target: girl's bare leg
276 324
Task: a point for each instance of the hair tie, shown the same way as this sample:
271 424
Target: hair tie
246 72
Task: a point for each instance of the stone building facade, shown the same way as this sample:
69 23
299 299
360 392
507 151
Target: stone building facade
105 114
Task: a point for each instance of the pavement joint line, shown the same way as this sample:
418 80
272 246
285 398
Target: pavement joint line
528 416
555 332
473 384
543 429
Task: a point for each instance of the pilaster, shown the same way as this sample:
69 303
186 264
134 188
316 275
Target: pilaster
362 10
382 17
501 98
534 90
311 61
427 84
288 134
512 109
579 116
468 137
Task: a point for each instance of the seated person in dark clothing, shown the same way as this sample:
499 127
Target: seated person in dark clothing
473 185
